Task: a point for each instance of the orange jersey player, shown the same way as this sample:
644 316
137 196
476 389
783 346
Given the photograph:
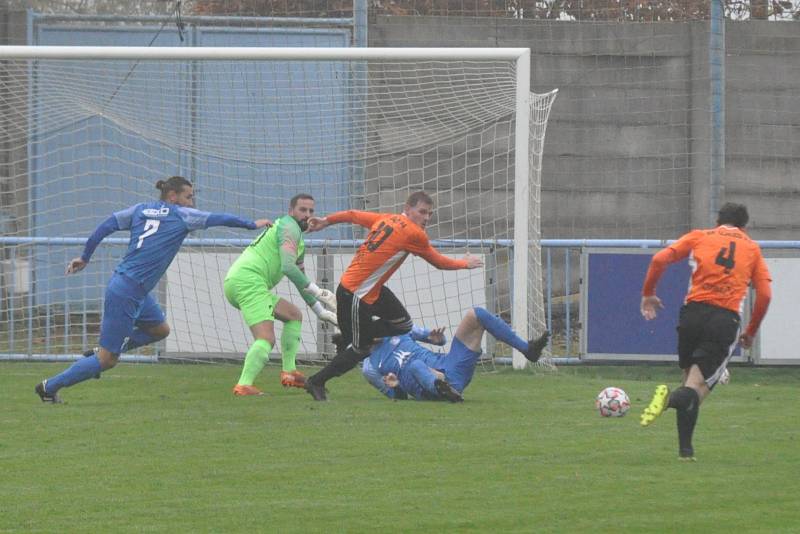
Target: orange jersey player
361 294
391 239
725 262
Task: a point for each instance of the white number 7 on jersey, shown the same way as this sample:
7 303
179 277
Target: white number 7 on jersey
150 227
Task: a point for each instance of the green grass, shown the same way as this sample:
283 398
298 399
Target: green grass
167 448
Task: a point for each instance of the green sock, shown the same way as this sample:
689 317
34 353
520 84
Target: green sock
290 342
254 361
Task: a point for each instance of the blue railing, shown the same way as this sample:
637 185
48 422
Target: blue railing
554 250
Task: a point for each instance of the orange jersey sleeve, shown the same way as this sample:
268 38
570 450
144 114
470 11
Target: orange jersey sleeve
362 218
422 247
763 297
724 261
657 267
390 240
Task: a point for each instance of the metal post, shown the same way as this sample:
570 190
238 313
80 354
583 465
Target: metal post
519 304
716 59
360 11
568 314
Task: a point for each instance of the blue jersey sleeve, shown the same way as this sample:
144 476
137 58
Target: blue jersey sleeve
125 217
109 226
374 377
420 333
376 380
199 220
194 219
226 219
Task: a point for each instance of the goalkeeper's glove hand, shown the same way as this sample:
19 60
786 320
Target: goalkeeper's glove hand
324 315
325 296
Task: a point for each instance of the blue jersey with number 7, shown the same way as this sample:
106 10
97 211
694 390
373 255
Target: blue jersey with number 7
157 232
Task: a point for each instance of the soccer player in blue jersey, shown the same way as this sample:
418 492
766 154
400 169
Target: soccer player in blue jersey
131 317
399 367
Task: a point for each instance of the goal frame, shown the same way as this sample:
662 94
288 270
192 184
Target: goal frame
520 57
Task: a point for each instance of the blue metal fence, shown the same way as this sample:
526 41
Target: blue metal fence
59 249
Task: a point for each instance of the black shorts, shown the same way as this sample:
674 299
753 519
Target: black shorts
362 323
706 337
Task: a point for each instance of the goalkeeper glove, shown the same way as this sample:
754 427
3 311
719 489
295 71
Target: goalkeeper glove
324 315
325 296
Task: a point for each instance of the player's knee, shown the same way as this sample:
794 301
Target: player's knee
160 332
684 398
268 337
107 359
473 314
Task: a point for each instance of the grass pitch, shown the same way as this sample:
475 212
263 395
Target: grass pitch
167 448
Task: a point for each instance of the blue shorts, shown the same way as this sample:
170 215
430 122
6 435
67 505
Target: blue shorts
459 365
126 307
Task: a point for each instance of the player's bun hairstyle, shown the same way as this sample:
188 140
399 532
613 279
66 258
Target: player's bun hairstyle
173 183
299 196
733 214
419 197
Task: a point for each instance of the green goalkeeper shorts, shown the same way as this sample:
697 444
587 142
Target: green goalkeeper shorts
248 293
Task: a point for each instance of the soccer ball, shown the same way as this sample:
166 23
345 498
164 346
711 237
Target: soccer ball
612 402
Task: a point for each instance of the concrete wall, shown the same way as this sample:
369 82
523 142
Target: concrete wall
627 151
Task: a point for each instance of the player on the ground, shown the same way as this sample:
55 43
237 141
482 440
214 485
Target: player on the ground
361 294
277 252
724 261
131 317
399 367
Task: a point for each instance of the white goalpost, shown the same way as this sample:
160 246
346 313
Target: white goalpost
86 131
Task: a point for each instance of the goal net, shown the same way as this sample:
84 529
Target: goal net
87 131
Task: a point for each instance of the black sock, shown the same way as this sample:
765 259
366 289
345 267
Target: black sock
687 402
339 365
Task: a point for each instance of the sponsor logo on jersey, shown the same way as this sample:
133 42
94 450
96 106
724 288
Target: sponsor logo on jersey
163 211
401 356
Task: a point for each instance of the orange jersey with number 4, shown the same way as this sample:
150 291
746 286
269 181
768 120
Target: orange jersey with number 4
391 239
724 261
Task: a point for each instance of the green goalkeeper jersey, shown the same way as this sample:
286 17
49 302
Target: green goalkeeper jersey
278 251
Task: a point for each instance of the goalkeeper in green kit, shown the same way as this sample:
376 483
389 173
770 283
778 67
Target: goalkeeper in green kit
278 251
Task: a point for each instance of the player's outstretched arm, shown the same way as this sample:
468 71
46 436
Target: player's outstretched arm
75 265
317 223
425 335
763 298
422 247
361 218
221 219
649 307
473 262
106 228
650 303
325 296
289 238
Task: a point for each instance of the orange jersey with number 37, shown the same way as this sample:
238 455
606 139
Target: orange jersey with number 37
724 261
391 238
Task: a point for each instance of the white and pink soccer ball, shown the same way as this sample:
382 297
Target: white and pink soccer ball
612 402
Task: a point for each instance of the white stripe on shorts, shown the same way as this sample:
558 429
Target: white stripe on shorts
712 380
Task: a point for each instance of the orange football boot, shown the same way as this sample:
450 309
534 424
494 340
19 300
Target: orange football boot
242 391
293 379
